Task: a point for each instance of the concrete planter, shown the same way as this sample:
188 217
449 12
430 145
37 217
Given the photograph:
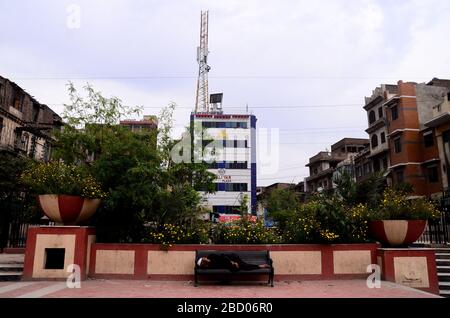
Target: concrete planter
68 209
397 232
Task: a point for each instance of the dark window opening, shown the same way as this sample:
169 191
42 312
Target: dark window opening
383 137
376 166
400 177
394 112
433 174
380 112
397 145
372 117
374 141
428 140
54 258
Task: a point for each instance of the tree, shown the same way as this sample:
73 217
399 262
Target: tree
282 204
144 185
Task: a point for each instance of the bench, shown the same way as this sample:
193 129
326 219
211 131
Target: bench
252 257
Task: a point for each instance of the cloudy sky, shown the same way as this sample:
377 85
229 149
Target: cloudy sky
303 67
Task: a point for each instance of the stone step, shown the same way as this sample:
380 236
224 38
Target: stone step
443 269
443 277
443 256
445 293
440 261
10 276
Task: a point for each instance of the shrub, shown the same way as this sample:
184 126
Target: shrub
244 232
327 220
169 234
398 205
60 178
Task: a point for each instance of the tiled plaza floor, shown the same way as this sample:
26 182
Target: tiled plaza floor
100 288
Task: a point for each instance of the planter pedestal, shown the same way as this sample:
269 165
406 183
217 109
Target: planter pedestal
51 249
412 267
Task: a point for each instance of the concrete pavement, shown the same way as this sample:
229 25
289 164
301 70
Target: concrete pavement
106 288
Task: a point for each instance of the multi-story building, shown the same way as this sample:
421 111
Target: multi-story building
25 124
413 150
148 124
440 121
323 166
228 145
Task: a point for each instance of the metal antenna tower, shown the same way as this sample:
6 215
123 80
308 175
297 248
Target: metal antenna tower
201 101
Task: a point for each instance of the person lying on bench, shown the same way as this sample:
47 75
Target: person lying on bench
227 261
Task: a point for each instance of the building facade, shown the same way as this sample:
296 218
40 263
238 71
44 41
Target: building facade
228 146
439 120
324 165
25 124
413 150
148 124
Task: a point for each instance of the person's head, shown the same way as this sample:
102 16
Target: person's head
203 262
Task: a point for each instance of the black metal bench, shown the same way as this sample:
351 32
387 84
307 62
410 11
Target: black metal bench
252 257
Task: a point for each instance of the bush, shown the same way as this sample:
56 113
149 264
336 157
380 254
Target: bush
169 234
399 205
327 220
244 232
60 178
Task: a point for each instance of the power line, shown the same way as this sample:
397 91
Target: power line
243 106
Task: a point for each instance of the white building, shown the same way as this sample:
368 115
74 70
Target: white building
228 144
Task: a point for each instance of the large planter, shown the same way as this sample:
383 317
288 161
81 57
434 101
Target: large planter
68 209
397 232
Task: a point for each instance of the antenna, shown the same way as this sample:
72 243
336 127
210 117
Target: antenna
201 101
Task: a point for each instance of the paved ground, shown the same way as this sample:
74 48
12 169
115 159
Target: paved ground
100 288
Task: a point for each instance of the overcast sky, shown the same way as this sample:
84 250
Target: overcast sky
301 66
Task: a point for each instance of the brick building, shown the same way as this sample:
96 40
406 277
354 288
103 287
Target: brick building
25 124
413 150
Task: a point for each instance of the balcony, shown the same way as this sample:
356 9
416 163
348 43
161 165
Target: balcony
377 124
441 115
15 112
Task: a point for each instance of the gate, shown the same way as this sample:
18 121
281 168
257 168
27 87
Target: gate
438 231
14 225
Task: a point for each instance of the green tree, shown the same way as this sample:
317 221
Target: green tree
282 204
144 185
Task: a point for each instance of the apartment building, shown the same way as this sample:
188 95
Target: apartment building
413 150
324 165
25 124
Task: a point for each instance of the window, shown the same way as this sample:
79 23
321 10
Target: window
35 113
226 209
433 174
372 117
374 141
227 165
380 112
397 145
428 139
400 176
383 137
224 124
394 112
231 187
1 127
376 165
385 163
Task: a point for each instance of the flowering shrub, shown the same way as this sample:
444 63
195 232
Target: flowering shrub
327 220
60 178
169 234
244 232
398 205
